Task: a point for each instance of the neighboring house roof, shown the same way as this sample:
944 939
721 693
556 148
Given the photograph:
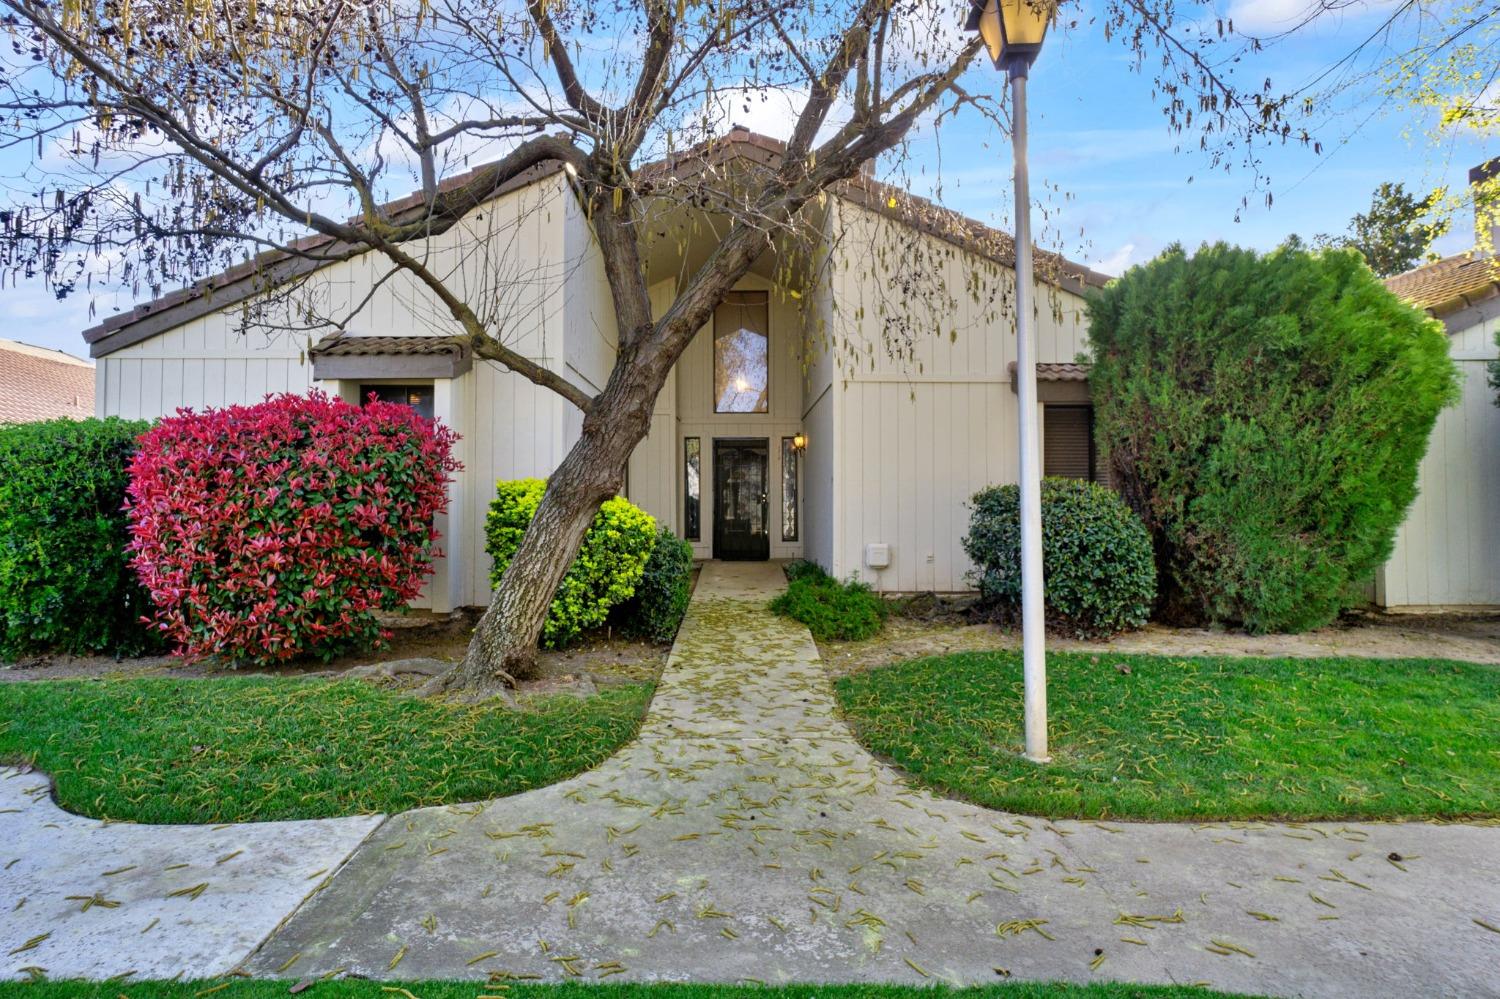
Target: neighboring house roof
40 384
1451 284
244 280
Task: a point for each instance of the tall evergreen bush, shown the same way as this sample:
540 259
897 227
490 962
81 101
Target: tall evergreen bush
65 577
1265 417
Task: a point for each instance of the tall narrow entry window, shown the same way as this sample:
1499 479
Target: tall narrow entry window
789 457
692 468
742 353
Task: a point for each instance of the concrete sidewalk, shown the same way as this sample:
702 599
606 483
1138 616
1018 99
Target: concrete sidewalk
746 836
87 899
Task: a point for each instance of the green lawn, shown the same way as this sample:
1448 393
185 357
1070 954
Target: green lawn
349 989
254 748
1203 738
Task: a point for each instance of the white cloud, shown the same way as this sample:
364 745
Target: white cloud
1269 17
1116 262
766 110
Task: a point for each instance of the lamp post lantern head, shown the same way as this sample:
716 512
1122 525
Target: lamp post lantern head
1012 30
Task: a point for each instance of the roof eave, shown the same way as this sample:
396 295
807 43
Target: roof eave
1463 300
242 281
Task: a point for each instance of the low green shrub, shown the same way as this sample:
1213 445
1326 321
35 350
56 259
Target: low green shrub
65 576
606 572
832 611
803 569
1096 555
661 598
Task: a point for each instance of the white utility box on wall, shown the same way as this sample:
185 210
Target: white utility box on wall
878 556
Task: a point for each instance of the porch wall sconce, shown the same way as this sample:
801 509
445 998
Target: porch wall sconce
799 443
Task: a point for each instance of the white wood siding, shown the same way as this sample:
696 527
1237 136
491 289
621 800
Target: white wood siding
819 486
589 312
917 436
1448 550
512 257
655 472
822 403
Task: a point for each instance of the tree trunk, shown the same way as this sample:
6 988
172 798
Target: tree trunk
504 645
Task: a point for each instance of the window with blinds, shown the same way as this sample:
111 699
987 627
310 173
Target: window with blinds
1068 442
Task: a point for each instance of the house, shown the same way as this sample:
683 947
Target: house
838 409
41 384
1447 553
842 406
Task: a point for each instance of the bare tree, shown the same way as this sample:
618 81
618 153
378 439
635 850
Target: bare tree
165 137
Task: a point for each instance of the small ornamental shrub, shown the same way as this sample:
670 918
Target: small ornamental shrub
832 611
276 530
65 577
1096 555
804 569
1265 417
661 597
606 572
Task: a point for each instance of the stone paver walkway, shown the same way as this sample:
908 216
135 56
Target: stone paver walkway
745 836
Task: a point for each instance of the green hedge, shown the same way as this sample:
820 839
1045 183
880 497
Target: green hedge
1265 416
606 572
1096 555
661 598
832 611
65 577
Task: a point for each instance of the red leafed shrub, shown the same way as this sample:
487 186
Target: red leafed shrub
275 530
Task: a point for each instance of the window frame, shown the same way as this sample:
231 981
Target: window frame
762 299
791 456
692 506
428 388
1087 408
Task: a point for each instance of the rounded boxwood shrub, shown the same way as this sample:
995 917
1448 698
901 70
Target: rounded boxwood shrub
1265 416
1096 555
65 577
661 597
606 571
276 530
832 611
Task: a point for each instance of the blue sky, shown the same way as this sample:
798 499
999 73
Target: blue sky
1098 135
1115 188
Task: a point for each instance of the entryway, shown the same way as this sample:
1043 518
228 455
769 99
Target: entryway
742 499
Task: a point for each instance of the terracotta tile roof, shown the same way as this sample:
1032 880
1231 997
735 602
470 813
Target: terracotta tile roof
38 384
241 281
1450 284
1056 371
339 345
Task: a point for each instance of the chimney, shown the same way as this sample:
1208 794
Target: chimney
1484 184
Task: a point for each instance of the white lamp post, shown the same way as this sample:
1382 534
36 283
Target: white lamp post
1013 31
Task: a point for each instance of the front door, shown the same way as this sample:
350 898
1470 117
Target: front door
741 484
